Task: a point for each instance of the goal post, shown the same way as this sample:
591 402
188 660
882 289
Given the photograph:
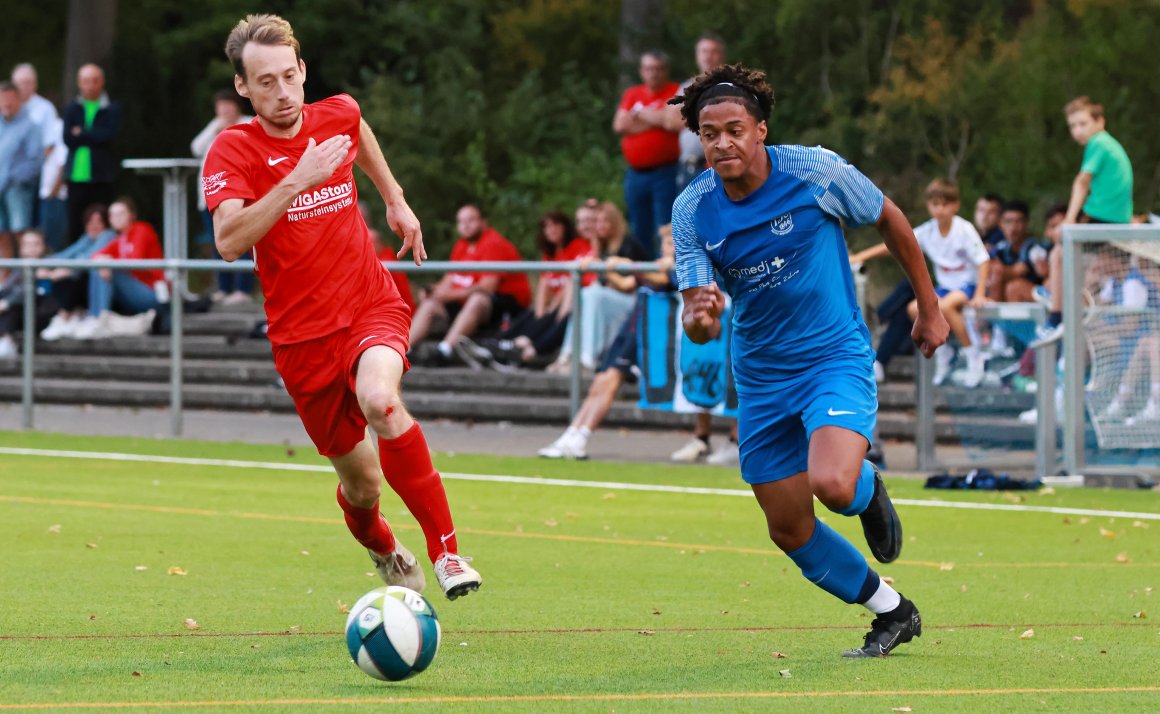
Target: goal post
1111 348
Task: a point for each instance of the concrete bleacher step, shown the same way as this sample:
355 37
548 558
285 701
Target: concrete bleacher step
452 404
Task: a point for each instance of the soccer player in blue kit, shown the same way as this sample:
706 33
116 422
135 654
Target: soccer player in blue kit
769 220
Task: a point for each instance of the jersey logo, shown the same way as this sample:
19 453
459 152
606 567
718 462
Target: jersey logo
781 225
715 246
831 412
274 162
212 184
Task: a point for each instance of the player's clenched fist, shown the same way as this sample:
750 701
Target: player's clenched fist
319 161
702 312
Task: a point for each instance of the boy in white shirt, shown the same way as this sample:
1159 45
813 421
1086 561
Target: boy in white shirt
961 263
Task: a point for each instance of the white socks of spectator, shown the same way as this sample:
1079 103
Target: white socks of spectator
444 349
884 599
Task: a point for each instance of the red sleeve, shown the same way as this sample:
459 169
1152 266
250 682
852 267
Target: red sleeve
578 248
629 98
107 251
226 174
146 240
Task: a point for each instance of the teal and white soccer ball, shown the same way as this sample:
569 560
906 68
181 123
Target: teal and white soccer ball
392 633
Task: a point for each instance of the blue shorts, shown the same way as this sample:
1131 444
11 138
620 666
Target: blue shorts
774 429
16 208
969 290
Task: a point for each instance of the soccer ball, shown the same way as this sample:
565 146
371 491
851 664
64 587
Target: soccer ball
392 633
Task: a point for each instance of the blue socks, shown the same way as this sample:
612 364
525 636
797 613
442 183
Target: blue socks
829 561
863 492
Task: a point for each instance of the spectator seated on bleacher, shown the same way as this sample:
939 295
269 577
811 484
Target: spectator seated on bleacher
471 302
71 287
619 365
1021 260
134 294
538 331
13 297
607 300
960 261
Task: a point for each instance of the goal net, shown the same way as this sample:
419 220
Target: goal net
1121 336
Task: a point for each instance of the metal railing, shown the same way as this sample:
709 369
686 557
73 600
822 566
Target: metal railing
1046 354
179 268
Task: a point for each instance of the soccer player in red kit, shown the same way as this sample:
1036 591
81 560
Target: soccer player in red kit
282 188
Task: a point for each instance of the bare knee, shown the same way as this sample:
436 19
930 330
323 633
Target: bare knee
605 382
833 486
363 490
383 408
791 535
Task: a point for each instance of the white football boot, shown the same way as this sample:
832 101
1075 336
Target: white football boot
399 567
695 450
455 576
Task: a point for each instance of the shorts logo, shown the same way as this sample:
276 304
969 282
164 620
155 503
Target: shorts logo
212 184
781 225
831 412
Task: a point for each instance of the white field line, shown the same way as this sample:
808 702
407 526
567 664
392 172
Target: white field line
536 481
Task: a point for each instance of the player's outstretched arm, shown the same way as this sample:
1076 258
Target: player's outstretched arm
238 227
400 217
930 329
701 315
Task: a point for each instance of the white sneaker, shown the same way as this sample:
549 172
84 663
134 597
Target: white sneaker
93 328
554 450
695 450
1031 416
1150 412
455 576
60 326
399 567
879 372
976 366
128 325
8 347
943 359
571 445
727 454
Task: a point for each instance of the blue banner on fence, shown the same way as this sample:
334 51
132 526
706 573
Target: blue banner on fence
677 374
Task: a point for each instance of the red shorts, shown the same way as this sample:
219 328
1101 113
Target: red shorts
320 374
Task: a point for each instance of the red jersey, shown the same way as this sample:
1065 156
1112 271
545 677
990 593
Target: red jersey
317 265
575 250
655 147
139 242
402 281
491 246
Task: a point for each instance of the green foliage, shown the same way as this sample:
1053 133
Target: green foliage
509 102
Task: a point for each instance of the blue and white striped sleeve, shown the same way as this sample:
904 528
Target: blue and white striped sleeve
841 190
693 266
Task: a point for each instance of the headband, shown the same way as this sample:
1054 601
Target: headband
728 89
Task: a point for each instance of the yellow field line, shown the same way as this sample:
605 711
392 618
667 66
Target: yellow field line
558 537
651 696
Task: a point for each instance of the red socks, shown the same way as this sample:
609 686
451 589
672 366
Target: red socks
407 466
367 526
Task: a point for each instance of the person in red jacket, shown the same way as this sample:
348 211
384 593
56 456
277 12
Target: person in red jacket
649 131
472 300
129 292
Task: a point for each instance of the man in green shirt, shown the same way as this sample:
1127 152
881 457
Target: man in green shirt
91 125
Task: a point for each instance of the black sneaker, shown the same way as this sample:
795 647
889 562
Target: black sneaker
887 631
880 524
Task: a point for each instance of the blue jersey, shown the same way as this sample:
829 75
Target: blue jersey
783 257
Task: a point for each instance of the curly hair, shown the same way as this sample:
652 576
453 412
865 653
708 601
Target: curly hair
758 100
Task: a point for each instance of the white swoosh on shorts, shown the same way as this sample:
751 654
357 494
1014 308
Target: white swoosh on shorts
274 162
831 412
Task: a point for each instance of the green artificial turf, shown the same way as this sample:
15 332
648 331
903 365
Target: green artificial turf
594 599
